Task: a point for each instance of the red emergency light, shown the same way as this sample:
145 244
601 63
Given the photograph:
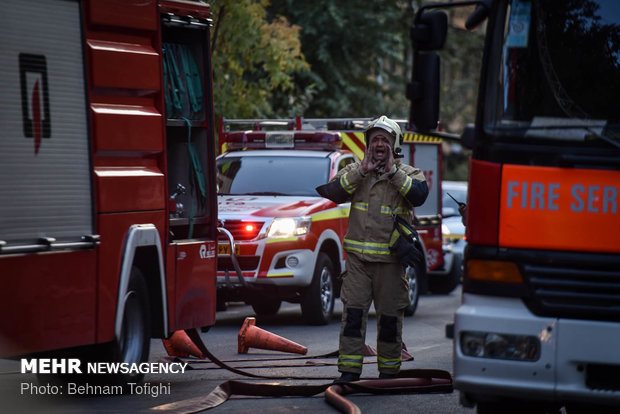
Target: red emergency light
283 140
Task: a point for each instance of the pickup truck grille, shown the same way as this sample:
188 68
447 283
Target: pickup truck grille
246 263
586 291
242 229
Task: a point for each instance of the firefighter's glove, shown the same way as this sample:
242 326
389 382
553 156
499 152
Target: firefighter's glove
406 251
405 243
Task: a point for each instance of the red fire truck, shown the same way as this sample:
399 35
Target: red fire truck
272 184
538 329
107 197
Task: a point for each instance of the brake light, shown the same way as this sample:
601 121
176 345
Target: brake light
282 139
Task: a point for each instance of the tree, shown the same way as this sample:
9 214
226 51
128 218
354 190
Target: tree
253 59
357 53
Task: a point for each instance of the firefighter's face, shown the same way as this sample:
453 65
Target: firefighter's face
380 147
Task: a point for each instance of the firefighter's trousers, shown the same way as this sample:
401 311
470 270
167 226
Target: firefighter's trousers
386 285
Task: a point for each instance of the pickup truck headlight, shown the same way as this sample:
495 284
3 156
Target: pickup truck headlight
289 227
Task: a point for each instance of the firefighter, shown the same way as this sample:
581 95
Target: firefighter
380 189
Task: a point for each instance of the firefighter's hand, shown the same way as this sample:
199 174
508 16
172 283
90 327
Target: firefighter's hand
463 209
368 163
463 212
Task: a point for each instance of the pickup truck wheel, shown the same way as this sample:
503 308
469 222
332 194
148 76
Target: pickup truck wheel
317 301
266 308
414 289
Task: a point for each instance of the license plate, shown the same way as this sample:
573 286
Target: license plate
224 249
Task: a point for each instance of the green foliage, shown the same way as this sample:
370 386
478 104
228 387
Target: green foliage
335 58
253 59
356 50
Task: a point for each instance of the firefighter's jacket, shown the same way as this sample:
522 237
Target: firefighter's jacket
375 197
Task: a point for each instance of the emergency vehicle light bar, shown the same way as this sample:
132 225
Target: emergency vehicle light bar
299 124
282 139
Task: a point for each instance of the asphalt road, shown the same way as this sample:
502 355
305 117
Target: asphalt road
423 334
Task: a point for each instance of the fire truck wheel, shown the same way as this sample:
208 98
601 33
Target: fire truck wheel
267 308
414 289
317 300
134 341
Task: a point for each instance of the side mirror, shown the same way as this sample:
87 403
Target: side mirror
478 15
423 92
467 137
428 33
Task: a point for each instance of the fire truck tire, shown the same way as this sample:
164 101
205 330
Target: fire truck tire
444 284
133 344
131 347
267 308
413 274
317 300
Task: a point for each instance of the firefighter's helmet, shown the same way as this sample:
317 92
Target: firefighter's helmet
391 127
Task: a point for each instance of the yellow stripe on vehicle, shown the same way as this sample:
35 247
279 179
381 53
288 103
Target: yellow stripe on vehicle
332 214
352 146
410 137
281 239
280 275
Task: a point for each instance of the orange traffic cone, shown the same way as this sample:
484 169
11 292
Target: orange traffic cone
181 345
252 336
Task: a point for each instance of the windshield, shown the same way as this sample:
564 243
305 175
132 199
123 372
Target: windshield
271 175
558 74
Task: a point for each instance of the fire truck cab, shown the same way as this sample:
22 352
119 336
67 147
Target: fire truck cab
538 329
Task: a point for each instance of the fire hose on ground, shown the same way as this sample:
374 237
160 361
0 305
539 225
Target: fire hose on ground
189 343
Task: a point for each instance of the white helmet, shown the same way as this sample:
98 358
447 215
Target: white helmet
385 124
